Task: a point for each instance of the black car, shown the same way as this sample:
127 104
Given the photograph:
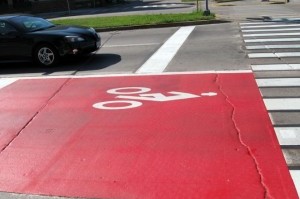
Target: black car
29 37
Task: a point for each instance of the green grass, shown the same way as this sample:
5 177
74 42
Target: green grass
133 20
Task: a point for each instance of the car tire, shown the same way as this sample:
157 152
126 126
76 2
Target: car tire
46 55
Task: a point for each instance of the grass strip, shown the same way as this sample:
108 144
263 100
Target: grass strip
134 20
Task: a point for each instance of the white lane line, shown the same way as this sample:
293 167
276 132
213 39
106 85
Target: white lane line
282 104
278 82
272 34
259 47
288 135
129 45
275 67
271 40
6 81
271 26
272 30
162 57
272 55
295 174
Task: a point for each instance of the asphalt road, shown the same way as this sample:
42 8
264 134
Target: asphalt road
209 47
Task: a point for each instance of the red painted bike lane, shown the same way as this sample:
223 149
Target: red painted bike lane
156 136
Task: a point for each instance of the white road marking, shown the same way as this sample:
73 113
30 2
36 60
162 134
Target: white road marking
130 45
282 104
272 34
261 55
161 58
272 55
275 67
6 81
256 23
136 75
272 30
278 82
288 135
271 40
274 21
272 47
295 174
271 117
271 26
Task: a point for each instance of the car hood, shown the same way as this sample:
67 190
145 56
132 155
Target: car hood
65 30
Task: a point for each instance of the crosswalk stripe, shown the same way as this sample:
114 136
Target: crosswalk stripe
295 174
278 82
275 67
272 55
272 30
6 82
261 32
261 55
256 23
271 40
260 47
163 56
288 136
282 104
272 34
271 26
274 21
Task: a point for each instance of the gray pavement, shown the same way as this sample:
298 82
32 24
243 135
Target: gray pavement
255 10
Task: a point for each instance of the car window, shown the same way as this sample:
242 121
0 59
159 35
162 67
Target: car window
30 24
6 28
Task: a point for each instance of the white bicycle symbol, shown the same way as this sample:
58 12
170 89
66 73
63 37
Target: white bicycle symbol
131 94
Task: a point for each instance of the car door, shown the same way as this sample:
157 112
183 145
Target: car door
12 43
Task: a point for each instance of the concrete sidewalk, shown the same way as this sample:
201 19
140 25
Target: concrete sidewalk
255 10
236 10
250 10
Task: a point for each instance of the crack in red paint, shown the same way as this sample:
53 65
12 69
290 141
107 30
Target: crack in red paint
267 194
33 117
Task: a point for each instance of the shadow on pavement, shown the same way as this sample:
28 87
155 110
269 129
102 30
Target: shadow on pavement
71 65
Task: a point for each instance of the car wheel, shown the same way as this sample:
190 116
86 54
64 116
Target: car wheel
46 55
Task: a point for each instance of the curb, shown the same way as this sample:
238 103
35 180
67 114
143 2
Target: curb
188 23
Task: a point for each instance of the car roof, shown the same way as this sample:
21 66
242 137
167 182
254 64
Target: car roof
9 16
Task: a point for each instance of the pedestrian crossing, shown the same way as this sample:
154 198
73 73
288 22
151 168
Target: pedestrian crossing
274 51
